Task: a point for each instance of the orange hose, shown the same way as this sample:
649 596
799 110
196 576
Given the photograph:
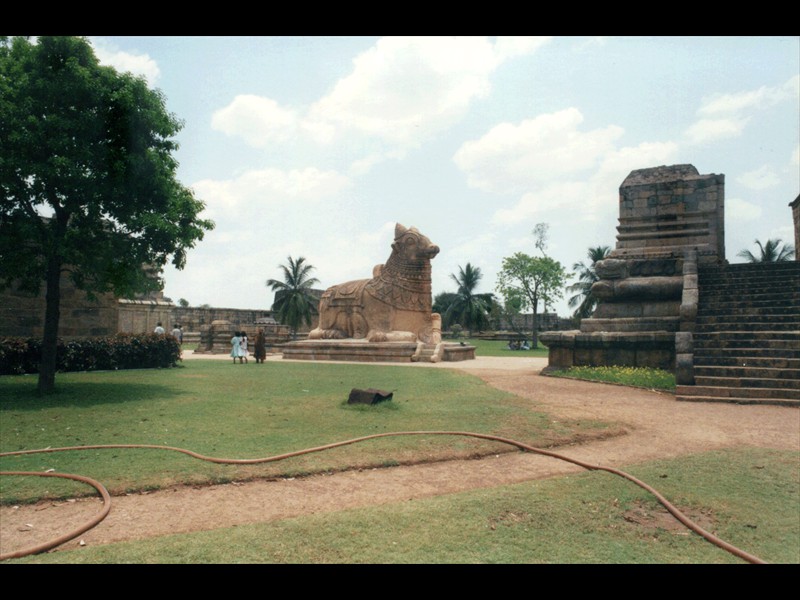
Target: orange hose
72 534
250 461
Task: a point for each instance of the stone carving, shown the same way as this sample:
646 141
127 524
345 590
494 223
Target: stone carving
393 306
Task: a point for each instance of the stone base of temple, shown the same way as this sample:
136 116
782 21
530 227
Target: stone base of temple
364 351
625 349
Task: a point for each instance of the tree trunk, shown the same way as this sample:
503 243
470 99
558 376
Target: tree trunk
535 328
47 366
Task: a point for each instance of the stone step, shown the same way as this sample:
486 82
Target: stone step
711 324
722 335
700 353
771 362
743 292
750 382
749 279
737 392
738 400
747 308
747 372
789 267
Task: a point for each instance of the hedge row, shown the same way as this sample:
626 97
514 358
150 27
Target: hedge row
122 351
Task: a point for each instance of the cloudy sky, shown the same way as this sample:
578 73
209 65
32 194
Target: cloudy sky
317 146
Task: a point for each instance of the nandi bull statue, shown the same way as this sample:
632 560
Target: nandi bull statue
393 306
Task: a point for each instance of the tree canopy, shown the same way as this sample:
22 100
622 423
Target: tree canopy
88 178
583 301
773 251
295 303
526 280
467 308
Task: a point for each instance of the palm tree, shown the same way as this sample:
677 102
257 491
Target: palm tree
295 301
468 308
770 252
583 299
441 304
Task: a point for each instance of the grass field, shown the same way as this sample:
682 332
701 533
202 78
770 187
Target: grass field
499 348
251 411
748 497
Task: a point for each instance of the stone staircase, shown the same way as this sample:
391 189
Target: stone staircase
747 335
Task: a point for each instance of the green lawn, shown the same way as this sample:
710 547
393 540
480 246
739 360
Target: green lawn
499 348
224 410
642 377
748 497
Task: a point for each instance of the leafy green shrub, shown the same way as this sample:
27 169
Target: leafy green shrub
122 351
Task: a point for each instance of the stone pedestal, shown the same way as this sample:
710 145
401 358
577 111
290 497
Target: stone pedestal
216 339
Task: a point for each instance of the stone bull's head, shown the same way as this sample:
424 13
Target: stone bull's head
412 245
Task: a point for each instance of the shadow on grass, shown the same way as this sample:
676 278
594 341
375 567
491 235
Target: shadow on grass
19 393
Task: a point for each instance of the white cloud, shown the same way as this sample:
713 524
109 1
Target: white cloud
709 130
506 47
405 89
138 64
269 186
725 116
795 159
759 179
586 195
741 210
400 92
260 121
515 158
736 103
554 196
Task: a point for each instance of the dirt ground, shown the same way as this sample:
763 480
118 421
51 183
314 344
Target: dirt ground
657 426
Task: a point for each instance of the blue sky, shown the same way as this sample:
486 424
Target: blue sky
317 146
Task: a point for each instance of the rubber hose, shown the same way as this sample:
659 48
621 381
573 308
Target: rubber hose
250 461
72 534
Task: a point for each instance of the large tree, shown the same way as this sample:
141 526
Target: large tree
529 280
467 308
584 301
88 179
772 251
295 302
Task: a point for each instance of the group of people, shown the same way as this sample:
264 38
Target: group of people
240 350
516 345
177 332
239 343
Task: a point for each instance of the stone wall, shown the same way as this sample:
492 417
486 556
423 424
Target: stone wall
22 314
195 318
142 316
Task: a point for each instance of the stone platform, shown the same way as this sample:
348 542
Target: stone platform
360 350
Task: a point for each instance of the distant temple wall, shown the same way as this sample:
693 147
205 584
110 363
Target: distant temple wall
22 314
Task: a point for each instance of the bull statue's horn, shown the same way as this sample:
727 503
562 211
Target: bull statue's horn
399 230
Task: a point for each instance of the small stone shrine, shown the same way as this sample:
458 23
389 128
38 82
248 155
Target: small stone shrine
671 219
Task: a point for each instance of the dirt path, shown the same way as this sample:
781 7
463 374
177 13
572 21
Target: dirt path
659 427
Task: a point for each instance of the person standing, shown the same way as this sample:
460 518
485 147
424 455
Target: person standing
261 346
243 347
178 334
236 347
159 328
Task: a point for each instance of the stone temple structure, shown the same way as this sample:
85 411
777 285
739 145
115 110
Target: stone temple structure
671 219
